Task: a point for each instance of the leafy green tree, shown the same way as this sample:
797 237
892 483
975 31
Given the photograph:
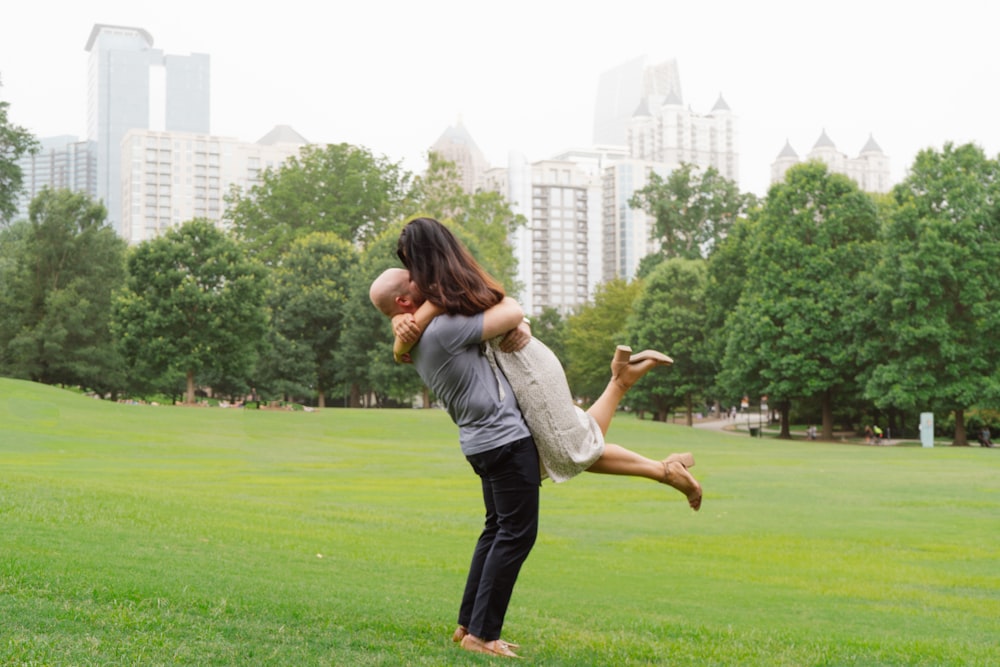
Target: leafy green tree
592 333
669 315
692 209
939 288
790 336
307 301
365 352
338 188
725 281
191 311
483 220
15 142
438 192
869 323
12 240
60 272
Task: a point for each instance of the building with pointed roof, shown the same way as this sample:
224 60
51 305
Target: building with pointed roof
622 88
870 169
663 131
786 159
720 105
456 145
282 134
581 230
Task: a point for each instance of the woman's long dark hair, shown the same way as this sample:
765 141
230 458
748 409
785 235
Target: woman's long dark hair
444 270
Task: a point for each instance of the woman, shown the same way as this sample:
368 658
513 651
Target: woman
569 440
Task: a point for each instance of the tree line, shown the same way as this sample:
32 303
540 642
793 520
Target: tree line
841 307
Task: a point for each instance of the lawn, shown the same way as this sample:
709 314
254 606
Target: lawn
136 535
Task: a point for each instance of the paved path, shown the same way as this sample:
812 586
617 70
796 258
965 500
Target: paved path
739 427
722 425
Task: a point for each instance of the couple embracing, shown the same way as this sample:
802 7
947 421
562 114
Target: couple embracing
508 395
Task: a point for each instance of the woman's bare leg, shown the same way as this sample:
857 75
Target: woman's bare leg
672 471
616 460
604 408
626 369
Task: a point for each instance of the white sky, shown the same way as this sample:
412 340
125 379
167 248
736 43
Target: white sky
522 74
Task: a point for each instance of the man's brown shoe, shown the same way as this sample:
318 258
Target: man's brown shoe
495 647
461 631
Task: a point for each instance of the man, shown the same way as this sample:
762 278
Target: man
494 439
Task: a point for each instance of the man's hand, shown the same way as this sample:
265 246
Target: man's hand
404 327
516 338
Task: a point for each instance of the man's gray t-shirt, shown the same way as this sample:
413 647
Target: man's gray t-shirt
449 360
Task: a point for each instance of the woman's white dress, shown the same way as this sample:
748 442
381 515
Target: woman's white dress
568 439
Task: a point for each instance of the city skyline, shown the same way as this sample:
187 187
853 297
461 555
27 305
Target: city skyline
392 77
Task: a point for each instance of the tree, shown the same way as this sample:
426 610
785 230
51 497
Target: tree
592 333
338 188
693 210
939 287
483 220
365 352
191 310
726 278
65 263
669 315
15 142
307 301
790 336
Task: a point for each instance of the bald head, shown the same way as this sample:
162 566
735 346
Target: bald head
392 292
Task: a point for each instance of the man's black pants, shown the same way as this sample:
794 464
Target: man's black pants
511 481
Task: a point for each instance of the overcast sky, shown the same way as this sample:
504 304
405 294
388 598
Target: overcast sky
522 74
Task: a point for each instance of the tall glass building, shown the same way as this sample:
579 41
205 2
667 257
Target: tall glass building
118 99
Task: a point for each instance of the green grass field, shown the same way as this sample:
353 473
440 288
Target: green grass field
134 535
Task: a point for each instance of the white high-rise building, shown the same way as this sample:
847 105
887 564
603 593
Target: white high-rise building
172 177
553 249
119 95
661 135
663 130
581 230
870 169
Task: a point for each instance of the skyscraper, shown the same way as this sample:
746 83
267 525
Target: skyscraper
661 134
622 89
118 99
62 162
